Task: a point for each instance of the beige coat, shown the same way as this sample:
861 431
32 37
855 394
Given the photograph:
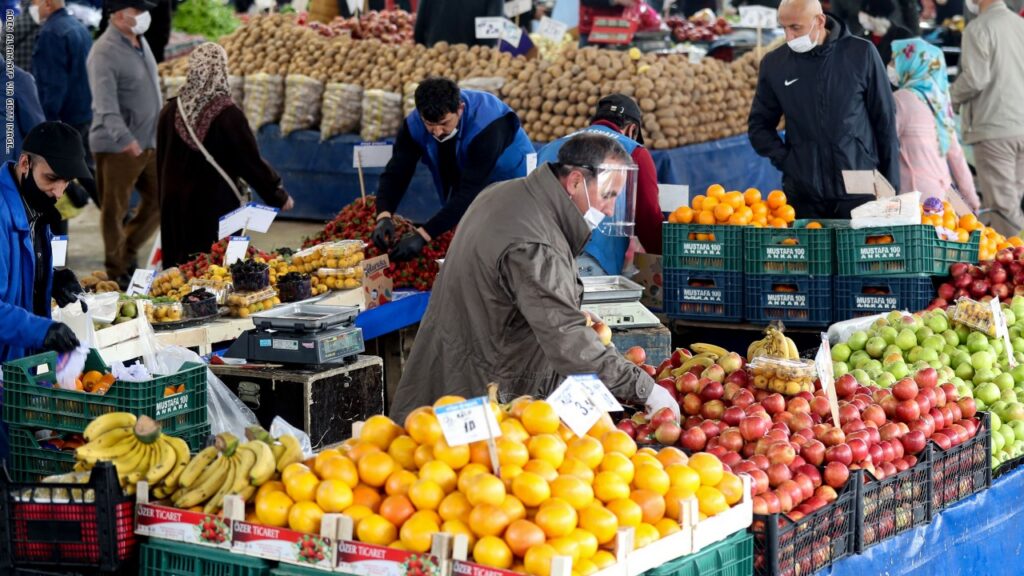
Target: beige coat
506 306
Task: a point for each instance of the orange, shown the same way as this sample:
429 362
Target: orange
305 517
776 198
542 468
488 520
493 551
273 509
426 494
706 218
673 502
456 457
723 212
603 559
645 535
514 508
508 473
455 506
467 474
683 476
787 213
539 417
610 486
302 487
531 489
272 486
521 535
512 453
513 430
683 215
619 441
293 469
711 501
375 468
397 509
587 450
486 489
366 496
573 490
537 561
423 426
603 425
422 455
710 204
456 527
815 225
375 529
619 464
697 203
567 546
380 431
358 450
403 450
651 504
585 568
333 496
667 526
670 455
751 196
574 467
735 199
600 522
556 518
708 467
479 453
627 511
322 457
646 459
417 531
653 478
399 482
587 543
547 447
715 191
441 473
969 222
357 512
736 219
731 487
339 468
446 400
760 209
776 223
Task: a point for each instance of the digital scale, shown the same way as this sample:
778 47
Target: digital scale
616 299
307 334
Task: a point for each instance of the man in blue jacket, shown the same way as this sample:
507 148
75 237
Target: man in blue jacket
840 115
467 139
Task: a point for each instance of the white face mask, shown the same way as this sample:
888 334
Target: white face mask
802 44
894 78
973 7
33 12
141 23
448 137
593 216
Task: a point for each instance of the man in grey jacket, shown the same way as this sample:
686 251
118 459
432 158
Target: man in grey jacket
990 94
506 306
126 104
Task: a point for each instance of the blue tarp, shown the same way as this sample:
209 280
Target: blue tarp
322 179
406 309
980 536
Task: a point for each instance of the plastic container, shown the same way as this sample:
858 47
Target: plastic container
250 276
702 247
200 303
31 402
893 250
242 304
962 470
796 251
307 260
294 286
166 281
341 278
856 297
166 311
94 533
702 295
975 315
733 556
894 504
796 300
788 377
167 558
783 547
343 253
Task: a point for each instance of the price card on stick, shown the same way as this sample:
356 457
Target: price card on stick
237 247
372 155
758 17
823 365
142 280
552 29
468 422
514 8
511 34
260 217
580 400
489 28
1001 330
59 251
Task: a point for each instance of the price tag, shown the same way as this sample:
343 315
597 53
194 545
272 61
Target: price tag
579 403
228 223
59 251
1002 331
758 17
142 280
512 34
372 155
823 365
552 29
237 247
489 28
467 422
260 217
514 8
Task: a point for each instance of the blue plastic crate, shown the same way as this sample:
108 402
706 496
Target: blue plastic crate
795 300
704 295
866 296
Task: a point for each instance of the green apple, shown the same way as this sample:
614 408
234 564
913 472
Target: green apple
976 342
1017 343
914 355
962 332
885 380
934 342
951 337
1008 436
944 363
997 442
965 371
923 332
1004 381
841 352
984 375
906 339
987 393
959 357
895 318
840 368
889 334
996 422
982 360
857 340
898 369
1010 316
858 357
1008 396
875 346
938 322
861 376
929 356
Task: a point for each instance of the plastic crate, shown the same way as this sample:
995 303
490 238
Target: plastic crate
733 556
702 295
167 558
797 251
962 470
32 463
702 247
894 504
30 400
796 300
857 297
296 570
35 532
783 547
894 250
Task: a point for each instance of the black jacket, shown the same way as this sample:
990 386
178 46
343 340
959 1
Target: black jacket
839 115
453 21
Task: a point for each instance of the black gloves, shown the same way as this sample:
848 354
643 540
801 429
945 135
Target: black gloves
60 338
408 247
66 287
384 233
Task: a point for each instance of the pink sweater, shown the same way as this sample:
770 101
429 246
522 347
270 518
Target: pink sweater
922 169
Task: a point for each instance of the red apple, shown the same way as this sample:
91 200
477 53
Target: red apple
758 481
753 428
846 386
848 412
710 428
693 439
661 416
715 373
806 485
820 406
628 427
731 439
743 399
781 453
679 356
889 432
942 440
927 378
826 493
687 383
730 459
774 403
802 421
938 418
833 437
907 411
667 433
858 448
839 453
967 407
777 474
836 474
798 406
636 355
692 404
711 390
905 389
713 410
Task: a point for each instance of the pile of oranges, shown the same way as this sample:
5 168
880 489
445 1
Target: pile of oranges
991 241
737 208
556 494
94 382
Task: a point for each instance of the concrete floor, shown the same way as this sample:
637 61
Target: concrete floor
85 242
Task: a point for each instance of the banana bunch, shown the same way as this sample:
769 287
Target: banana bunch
704 355
775 344
286 448
136 447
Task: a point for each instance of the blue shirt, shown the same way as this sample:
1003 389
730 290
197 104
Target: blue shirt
58 64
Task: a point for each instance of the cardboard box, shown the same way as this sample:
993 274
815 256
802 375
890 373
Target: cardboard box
869 182
377 287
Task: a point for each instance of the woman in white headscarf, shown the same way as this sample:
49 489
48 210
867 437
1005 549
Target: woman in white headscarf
204 147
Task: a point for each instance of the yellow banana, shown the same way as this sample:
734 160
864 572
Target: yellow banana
245 459
248 493
196 466
180 448
292 452
213 504
705 348
110 446
128 462
702 361
278 449
164 463
205 490
107 422
265 466
794 354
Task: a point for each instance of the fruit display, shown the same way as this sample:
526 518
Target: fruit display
775 344
701 27
164 309
206 264
242 304
941 215
137 448
295 286
167 282
250 275
199 303
94 382
128 308
718 207
787 377
1001 277
341 278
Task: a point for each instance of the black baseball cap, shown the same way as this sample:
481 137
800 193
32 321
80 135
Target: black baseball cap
61 146
112 6
624 106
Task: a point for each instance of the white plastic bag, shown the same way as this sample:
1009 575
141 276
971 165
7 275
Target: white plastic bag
102 307
902 210
280 426
841 331
80 322
227 413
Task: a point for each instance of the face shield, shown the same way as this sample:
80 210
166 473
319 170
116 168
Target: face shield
616 185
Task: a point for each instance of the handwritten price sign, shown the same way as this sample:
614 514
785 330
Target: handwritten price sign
468 422
581 400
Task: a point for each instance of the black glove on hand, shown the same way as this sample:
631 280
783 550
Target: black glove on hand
60 338
408 247
66 287
384 233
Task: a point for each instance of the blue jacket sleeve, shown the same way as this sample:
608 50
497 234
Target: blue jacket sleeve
21 328
50 68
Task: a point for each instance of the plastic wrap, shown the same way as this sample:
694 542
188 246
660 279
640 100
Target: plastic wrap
302 100
342 109
264 99
382 115
788 377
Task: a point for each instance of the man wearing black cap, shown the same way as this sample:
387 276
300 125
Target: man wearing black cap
126 104
619 117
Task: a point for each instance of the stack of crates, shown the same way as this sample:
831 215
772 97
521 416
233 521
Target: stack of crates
32 402
703 272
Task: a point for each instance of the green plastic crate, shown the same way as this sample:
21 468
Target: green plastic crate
296 570
796 251
166 558
733 556
701 247
32 463
896 250
31 402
